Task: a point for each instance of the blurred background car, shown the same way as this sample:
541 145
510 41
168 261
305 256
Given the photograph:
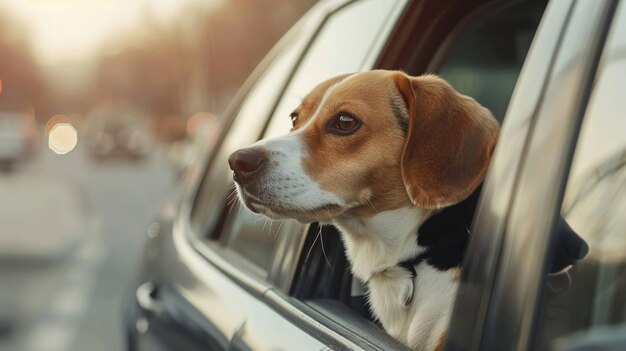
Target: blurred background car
18 138
117 132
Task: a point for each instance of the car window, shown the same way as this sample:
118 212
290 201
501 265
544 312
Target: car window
343 45
591 296
483 56
324 271
249 122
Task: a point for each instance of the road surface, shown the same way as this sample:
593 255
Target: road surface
69 247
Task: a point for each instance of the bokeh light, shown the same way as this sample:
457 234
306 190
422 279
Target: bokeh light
54 120
63 138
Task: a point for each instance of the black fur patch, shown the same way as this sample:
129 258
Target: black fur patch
445 235
568 247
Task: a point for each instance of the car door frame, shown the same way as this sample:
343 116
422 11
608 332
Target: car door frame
500 286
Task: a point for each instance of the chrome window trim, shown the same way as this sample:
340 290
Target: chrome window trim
318 325
479 267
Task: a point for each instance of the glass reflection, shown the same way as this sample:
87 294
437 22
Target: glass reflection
593 295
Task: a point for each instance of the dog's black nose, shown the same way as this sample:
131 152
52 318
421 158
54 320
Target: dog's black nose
246 163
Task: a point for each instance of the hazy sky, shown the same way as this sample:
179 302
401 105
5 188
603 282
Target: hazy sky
63 31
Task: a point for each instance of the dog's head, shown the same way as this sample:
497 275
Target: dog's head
369 142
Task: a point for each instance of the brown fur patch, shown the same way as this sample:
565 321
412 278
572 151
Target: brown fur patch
362 168
449 144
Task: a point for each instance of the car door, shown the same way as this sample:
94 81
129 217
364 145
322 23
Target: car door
517 223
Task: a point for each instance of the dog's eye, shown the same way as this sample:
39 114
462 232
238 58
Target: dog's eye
294 118
344 125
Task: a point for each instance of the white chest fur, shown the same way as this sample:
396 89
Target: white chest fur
415 311
381 241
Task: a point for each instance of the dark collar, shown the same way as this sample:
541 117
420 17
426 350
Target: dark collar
444 236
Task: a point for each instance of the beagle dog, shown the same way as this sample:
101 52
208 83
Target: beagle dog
395 162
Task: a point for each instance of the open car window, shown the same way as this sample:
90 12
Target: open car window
353 30
589 299
471 51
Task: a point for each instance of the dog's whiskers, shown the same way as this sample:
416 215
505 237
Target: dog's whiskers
321 236
271 225
232 197
265 220
323 250
232 205
232 190
280 225
306 259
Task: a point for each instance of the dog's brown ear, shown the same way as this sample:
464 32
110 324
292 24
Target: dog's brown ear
449 142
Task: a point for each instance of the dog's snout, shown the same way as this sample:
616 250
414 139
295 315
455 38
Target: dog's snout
246 162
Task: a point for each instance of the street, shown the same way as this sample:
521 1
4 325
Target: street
105 77
70 237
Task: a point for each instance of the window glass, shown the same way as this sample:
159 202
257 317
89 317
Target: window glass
246 128
487 53
342 45
594 296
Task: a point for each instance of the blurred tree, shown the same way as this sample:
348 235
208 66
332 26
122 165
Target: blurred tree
236 36
197 62
21 80
146 74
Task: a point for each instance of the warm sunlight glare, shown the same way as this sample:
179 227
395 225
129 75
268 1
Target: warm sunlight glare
75 30
62 138
64 31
